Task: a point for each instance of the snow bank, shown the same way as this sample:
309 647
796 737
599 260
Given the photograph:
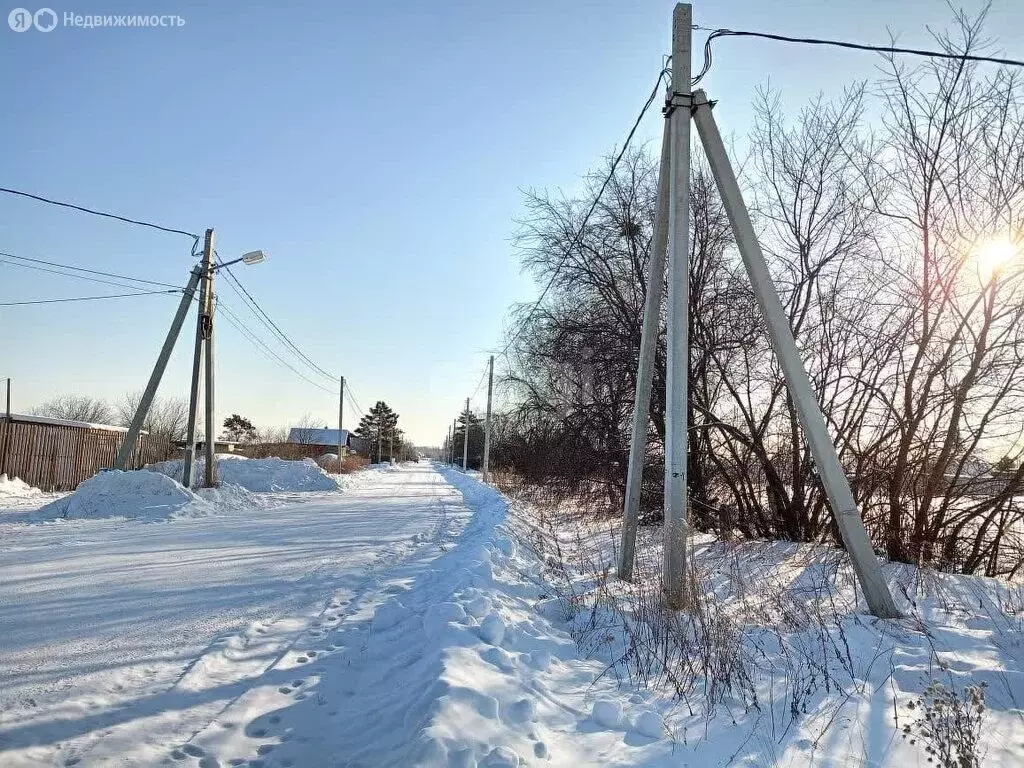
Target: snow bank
13 488
259 475
137 495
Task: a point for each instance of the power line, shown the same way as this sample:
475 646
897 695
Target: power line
480 383
272 326
890 49
593 207
73 268
85 298
239 325
104 214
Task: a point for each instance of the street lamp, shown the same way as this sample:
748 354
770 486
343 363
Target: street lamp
250 258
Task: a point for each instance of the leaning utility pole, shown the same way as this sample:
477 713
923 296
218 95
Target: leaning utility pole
465 440
202 325
487 421
677 379
826 459
124 453
645 371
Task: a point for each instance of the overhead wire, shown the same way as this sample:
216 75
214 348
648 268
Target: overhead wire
888 49
94 212
70 271
236 322
85 298
577 237
261 315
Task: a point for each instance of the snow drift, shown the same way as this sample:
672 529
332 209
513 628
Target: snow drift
14 488
259 475
136 495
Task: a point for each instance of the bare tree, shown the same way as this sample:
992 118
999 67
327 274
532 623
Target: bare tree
167 418
77 408
305 431
912 336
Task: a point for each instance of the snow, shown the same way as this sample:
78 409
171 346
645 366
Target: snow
68 423
259 475
420 619
12 488
607 713
137 495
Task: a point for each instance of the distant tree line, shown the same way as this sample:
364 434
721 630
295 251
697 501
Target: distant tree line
884 213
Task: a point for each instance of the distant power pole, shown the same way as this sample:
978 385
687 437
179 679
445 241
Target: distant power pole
447 452
341 414
465 440
7 431
451 449
487 422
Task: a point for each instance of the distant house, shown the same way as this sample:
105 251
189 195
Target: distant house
328 439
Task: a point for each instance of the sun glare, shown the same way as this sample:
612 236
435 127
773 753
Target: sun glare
994 254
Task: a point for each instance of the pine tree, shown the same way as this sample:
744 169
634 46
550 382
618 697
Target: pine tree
376 430
476 440
239 429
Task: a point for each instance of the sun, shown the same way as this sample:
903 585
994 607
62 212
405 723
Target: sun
994 254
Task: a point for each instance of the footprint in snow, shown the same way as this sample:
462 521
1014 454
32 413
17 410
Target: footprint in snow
177 754
264 749
275 719
192 749
302 660
284 689
259 733
209 762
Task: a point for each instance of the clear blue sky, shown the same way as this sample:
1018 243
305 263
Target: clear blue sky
376 151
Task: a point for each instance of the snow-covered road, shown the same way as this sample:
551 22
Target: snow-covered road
124 642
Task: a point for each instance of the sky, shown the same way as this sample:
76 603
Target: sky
377 152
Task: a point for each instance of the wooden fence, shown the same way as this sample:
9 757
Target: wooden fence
58 456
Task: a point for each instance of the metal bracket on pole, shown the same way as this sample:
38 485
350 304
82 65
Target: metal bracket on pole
823 450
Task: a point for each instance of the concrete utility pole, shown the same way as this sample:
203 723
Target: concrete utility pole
465 440
645 371
7 431
202 325
677 381
446 456
127 448
826 460
211 420
380 439
487 422
341 430
451 448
